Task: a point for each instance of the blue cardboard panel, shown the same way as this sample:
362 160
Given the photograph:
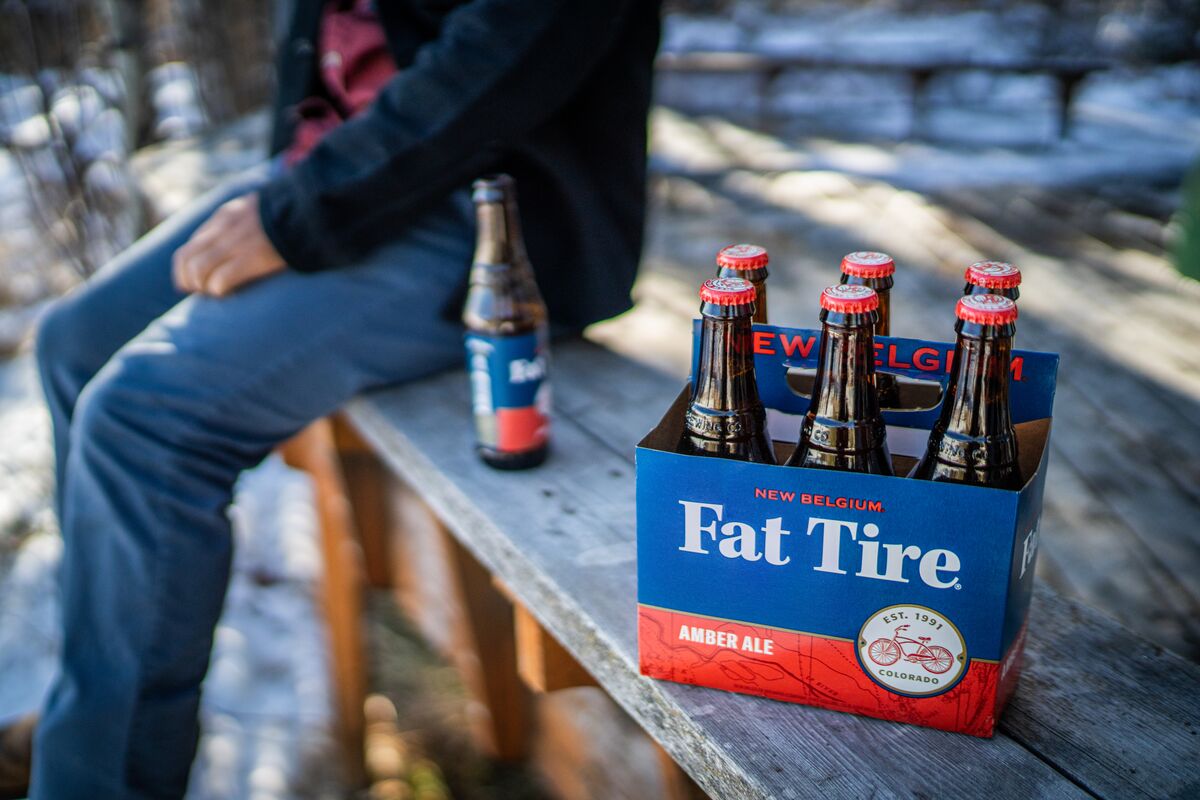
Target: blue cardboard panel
778 349
821 551
1024 555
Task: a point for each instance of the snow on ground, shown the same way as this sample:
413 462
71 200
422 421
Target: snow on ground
267 700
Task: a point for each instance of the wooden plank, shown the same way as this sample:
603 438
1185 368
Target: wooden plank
562 538
1135 705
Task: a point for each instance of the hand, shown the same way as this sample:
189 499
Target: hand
226 252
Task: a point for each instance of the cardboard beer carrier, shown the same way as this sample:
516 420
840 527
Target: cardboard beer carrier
884 596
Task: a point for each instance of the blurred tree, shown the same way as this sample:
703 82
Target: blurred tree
83 83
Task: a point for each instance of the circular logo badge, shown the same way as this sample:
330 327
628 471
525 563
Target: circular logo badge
912 650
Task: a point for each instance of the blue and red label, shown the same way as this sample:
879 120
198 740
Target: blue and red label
510 393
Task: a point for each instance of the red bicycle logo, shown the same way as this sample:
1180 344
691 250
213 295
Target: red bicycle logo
934 658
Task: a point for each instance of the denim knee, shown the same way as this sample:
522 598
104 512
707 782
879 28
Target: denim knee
146 414
55 336
64 350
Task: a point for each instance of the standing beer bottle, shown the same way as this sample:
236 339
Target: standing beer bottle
725 417
506 336
973 440
844 429
748 262
865 268
993 277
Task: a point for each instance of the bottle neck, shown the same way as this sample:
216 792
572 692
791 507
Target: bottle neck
883 289
1012 293
504 297
758 277
844 389
976 404
725 389
499 239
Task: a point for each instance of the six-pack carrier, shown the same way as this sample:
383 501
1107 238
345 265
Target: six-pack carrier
874 594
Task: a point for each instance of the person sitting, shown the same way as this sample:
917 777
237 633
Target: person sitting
271 301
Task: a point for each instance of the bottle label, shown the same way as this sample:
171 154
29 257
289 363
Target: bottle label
510 393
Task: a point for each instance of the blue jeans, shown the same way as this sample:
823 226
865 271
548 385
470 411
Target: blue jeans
159 401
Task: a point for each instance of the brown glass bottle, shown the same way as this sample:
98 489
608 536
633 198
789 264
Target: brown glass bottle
844 429
506 336
748 262
865 268
973 440
725 417
993 277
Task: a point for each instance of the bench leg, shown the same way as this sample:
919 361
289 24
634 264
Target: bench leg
577 732
341 592
678 785
367 482
503 727
544 664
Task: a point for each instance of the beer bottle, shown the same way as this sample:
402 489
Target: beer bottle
973 440
506 336
844 429
865 268
749 262
725 417
993 277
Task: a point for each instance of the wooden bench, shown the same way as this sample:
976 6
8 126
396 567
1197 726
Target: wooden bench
1067 73
543 564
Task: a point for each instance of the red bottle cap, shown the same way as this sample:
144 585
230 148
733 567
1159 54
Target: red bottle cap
986 309
848 298
867 264
993 275
742 256
727 291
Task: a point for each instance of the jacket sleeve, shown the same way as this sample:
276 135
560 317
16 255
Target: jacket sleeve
497 70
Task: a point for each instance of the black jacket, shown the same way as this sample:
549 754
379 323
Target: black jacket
553 92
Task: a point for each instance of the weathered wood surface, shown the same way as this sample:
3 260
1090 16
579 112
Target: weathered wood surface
562 540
